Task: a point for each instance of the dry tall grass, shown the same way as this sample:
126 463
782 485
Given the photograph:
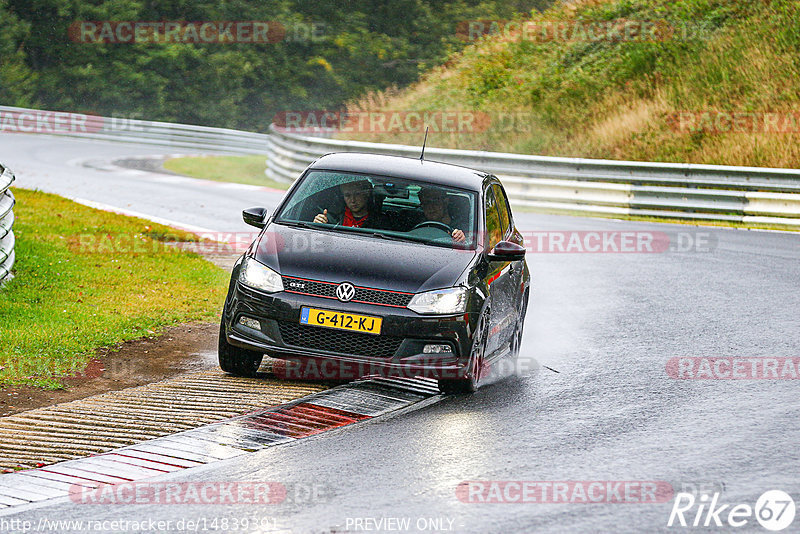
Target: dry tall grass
618 100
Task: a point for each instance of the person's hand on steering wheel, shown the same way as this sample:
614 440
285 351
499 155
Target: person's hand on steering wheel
455 233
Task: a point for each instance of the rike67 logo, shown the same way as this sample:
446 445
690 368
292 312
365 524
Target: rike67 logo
774 511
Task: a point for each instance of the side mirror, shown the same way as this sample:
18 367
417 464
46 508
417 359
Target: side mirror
506 251
255 216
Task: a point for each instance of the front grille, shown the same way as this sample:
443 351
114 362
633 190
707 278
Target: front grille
363 294
326 339
293 285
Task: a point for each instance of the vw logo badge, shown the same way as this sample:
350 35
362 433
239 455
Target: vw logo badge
345 292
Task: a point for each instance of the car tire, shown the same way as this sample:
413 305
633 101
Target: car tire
235 360
469 384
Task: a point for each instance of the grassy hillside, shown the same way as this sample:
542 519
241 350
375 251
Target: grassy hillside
662 99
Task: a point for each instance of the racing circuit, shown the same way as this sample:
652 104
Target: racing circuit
596 399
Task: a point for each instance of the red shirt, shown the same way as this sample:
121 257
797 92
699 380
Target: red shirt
349 220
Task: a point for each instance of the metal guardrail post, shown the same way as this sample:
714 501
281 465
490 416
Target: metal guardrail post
7 254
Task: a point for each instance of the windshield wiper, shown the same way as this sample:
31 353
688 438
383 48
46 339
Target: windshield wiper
316 226
298 224
394 237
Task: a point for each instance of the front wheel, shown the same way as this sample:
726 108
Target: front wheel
469 383
235 360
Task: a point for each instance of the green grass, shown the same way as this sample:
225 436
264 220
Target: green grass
86 279
238 169
618 99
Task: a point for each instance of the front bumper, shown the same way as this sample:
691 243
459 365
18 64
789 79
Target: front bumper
318 352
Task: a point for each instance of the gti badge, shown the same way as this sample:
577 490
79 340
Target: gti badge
345 292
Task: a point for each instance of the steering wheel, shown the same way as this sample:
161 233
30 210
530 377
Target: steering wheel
434 224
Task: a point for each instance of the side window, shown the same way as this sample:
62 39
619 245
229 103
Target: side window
502 208
494 230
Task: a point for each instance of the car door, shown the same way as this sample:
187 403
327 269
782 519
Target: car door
499 278
511 233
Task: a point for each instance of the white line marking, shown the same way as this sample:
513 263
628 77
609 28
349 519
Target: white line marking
131 213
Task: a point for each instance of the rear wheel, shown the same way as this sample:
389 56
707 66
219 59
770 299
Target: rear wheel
235 360
469 383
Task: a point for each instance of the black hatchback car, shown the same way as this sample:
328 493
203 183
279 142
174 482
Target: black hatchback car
379 264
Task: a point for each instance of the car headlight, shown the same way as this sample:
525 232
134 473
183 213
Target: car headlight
441 301
259 276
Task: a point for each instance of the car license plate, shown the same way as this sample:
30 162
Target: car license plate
341 321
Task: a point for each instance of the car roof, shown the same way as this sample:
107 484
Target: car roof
401 167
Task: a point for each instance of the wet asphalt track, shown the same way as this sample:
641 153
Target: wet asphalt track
607 322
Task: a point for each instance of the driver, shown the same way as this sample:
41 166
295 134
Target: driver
434 206
358 203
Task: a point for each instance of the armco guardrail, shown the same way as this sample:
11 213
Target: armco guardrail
566 185
6 223
602 187
203 138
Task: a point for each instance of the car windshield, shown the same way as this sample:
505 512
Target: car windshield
384 208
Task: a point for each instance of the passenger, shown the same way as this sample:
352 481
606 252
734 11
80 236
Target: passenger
434 206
